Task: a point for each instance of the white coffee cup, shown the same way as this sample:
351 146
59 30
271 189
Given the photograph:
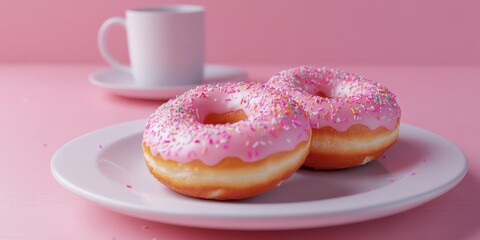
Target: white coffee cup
165 44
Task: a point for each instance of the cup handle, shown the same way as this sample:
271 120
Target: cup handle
102 40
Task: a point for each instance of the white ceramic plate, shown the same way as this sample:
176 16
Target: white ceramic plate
106 167
122 83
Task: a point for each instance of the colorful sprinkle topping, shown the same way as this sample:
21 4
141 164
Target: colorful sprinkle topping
176 130
338 99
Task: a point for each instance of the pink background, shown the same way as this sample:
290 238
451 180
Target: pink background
259 31
427 52
46 105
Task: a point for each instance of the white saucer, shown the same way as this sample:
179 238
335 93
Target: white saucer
106 166
122 83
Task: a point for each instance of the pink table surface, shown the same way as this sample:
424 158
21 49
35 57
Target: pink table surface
44 106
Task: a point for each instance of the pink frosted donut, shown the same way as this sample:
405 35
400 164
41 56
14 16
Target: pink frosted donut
229 141
353 119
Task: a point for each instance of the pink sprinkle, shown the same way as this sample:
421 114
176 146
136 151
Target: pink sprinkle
296 123
145 227
413 174
392 180
273 133
299 135
100 146
44 145
129 186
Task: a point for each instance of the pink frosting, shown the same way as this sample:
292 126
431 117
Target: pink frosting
275 123
352 99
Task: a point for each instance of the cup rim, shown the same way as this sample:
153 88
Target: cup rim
169 9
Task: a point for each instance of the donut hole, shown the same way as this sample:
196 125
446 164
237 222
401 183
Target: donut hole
336 91
339 91
224 118
322 94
